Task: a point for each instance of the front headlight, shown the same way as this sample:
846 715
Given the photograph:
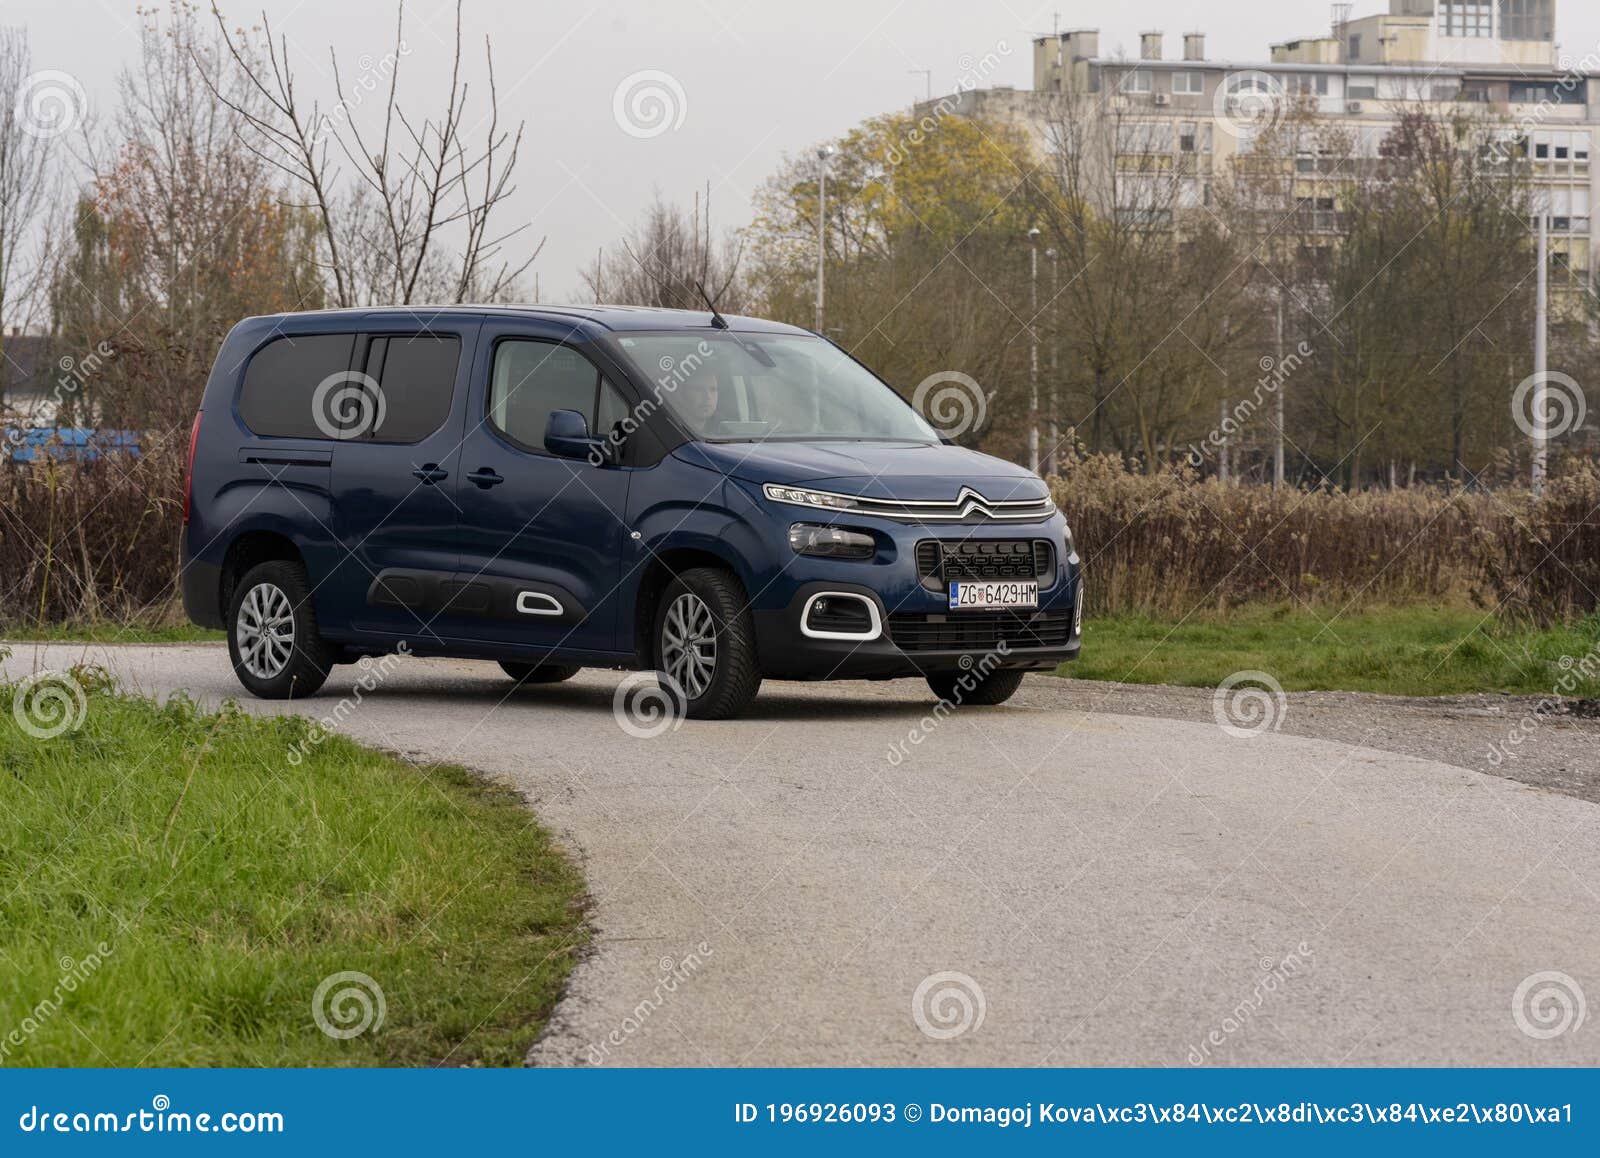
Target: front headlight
800 497
830 542
1072 546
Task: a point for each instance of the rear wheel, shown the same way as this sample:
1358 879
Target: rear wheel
273 641
982 688
705 644
538 673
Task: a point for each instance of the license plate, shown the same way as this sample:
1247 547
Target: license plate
988 596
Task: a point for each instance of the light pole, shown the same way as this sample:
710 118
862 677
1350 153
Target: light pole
1033 367
1539 460
823 154
1055 367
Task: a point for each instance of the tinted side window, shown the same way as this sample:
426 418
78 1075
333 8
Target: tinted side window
531 379
416 376
276 399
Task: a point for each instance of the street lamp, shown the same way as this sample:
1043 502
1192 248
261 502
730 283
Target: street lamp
823 154
1033 369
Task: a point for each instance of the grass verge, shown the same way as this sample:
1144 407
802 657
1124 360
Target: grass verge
111 632
175 886
1422 651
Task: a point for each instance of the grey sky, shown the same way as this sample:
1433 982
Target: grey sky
759 79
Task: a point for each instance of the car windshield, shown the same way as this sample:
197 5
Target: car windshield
730 387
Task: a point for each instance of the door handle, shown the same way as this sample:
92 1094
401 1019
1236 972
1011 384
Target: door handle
484 478
429 473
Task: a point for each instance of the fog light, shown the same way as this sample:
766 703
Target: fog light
830 542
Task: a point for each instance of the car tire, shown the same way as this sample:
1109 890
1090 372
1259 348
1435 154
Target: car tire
707 606
538 673
984 689
278 653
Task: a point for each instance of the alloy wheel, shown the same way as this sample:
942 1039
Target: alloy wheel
689 644
265 631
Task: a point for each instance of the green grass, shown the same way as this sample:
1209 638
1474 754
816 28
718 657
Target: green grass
174 887
111 632
1407 651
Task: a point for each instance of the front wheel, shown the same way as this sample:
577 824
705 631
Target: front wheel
983 688
705 644
273 641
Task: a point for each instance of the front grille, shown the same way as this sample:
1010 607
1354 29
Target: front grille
981 630
939 561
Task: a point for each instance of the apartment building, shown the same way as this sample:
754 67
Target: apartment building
1500 56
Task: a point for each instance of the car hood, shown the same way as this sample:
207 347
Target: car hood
888 470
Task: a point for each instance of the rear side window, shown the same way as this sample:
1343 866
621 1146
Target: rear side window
416 376
282 380
531 379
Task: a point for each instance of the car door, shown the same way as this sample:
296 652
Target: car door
542 538
400 415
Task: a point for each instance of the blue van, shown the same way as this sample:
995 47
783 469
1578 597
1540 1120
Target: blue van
718 500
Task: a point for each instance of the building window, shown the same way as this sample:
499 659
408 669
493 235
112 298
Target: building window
1308 84
1527 20
1362 88
1186 137
1355 46
1468 18
1188 83
1135 81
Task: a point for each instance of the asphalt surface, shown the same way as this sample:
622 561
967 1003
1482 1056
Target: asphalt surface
1063 885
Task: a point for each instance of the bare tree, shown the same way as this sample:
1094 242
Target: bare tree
665 257
416 184
30 178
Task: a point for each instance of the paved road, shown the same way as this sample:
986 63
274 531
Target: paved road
1111 890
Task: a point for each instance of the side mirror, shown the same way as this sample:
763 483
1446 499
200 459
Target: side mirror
566 435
